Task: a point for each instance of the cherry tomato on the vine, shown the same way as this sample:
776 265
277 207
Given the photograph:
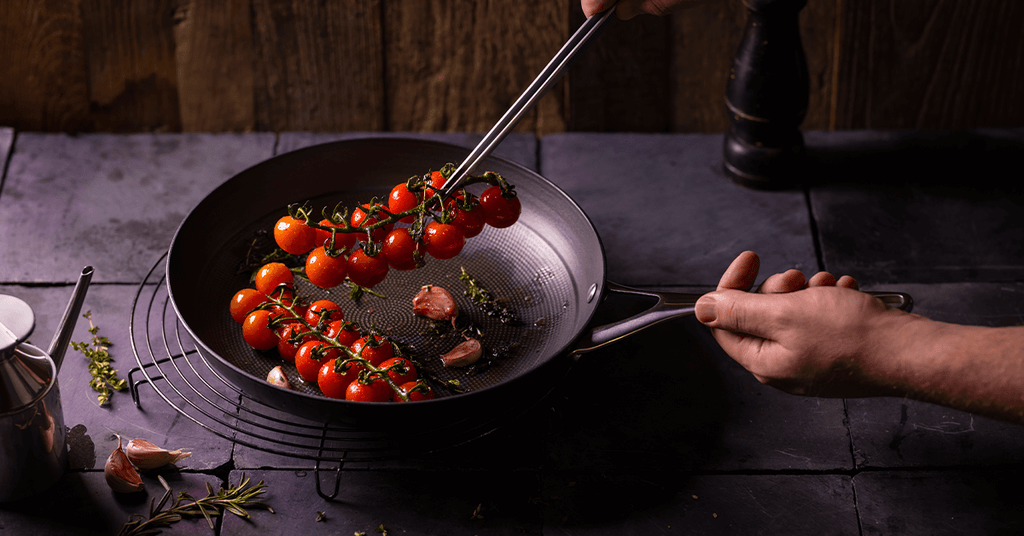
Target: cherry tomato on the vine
401 199
333 382
399 248
325 310
294 236
308 359
361 218
471 221
342 241
415 393
244 301
373 349
499 212
257 331
365 270
399 369
286 347
324 270
273 275
443 240
342 332
376 390
434 185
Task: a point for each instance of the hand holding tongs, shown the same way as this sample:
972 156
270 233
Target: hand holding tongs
540 85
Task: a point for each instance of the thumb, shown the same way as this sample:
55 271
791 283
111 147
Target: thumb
740 312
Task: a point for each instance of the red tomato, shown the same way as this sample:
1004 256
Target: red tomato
361 218
437 180
294 236
257 331
471 221
366 271
401 200
324 270
309 359
285 345
342 241
332 382
395 367
399 248
443 240
373 349
323 310
244 301
498 211
377 390
342 332
415 393
271 277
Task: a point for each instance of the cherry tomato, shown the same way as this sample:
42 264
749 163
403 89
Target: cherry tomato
244 301
377 390
271 277
373 349
333 383
498 211
257 331
399 248
394 368
443 240
361 218
294 236
401 199
342 332
366 271
414 393
471 221
437 180
286 347
324 270
308 359
342 241
323 310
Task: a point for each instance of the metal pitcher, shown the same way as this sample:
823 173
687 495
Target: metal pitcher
33 447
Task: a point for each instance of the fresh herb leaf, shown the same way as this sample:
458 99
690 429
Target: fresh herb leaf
485 301
104 377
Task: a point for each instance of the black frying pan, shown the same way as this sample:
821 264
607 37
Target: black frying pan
549 267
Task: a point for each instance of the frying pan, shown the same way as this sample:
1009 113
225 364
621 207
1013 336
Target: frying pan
549 268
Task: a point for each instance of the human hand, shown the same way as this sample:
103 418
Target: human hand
819 337
627 9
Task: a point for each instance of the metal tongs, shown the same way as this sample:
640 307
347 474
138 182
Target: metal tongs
540 85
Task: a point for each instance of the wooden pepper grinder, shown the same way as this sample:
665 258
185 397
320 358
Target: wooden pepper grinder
767 98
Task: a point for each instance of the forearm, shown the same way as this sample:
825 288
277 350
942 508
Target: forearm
975 369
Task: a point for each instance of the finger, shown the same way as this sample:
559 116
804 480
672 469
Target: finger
741 273
742 312
848 282
788 281
593 7
822 279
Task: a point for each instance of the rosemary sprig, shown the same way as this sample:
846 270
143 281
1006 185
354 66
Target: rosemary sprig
485 301
104 377
233 500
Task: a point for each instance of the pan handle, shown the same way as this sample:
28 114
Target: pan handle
671 305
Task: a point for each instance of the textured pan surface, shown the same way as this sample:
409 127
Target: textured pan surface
543 267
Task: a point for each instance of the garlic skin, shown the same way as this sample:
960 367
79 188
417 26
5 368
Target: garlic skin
121 476
146 455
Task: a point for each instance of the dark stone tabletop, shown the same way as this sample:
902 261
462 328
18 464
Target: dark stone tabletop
660 433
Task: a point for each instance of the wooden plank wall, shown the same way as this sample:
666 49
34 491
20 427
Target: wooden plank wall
455 65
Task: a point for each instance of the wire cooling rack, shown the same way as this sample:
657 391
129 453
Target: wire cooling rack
178 371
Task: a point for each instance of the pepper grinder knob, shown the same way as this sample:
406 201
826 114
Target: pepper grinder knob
767 98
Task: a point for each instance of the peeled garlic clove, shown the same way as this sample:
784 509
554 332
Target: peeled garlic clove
435 303
277 377
146 455
121 476
463 355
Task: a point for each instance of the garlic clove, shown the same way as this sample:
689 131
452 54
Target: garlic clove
277 377
146 455
121 476
463 355
435 303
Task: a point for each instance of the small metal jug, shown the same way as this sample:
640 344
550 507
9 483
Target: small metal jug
33 447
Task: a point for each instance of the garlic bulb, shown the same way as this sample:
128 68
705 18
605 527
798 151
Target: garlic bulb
121 476
146 455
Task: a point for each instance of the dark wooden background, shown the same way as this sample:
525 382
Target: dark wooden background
455 65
